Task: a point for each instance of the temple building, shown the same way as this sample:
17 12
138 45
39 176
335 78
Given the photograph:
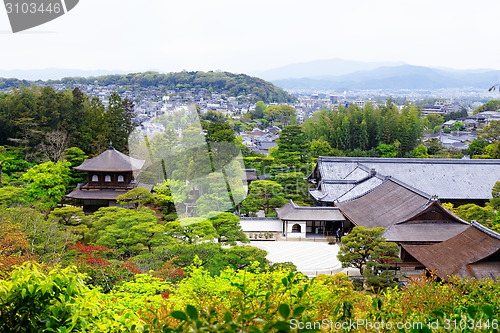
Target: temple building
110 174
408 215
459 181
298 221
474 253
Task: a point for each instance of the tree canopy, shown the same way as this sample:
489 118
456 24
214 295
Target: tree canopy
47 183
363 245
356 129
234 84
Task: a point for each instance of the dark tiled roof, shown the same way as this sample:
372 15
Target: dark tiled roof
384 206
103 194
469 254
94 194
111 161
292 212
423 232
446 178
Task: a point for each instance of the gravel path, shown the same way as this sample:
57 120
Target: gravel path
311 258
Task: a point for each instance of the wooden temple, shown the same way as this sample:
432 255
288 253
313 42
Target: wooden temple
110 174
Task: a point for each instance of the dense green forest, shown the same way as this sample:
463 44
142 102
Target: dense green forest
12 83
39 120
365 129
233 84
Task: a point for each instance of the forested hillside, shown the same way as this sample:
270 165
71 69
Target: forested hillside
40 119
234 84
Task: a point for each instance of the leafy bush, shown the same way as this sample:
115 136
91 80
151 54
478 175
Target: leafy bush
102 273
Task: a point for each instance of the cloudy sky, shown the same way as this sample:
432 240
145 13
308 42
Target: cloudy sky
244 36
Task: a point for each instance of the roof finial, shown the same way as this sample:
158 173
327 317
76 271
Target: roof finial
111 145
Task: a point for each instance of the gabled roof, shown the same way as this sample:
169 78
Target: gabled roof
292 212
111 161
385 205
446 178
473 253
423 232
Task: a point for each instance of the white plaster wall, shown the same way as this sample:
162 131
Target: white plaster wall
302 232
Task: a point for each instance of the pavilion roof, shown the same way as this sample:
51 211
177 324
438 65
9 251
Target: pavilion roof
111 161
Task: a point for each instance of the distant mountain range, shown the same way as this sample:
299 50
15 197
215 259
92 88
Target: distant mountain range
320 68
333 74
338 74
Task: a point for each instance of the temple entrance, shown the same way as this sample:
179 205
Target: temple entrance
323 228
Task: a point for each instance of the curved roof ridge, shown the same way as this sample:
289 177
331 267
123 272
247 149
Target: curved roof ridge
409 160
386 179
111 160
350 173
295 206
485 229
409 187
363 194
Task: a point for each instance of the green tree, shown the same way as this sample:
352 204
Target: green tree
433 146
136 197
214 116
293 183
365 245
241 257
71 221
410 128
118 117
280 115
293 147
47 238
434 120
492 105
13 162
47 183
491 133
387 150
126 230
493 150
10 196
265 195
320 147
469 212
495 196
191 230
75 156
420 152
458 126
379 272
68 215
228 229
260 106
38 301
455 115
477 147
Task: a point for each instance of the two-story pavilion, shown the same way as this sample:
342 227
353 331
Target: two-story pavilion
110 174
